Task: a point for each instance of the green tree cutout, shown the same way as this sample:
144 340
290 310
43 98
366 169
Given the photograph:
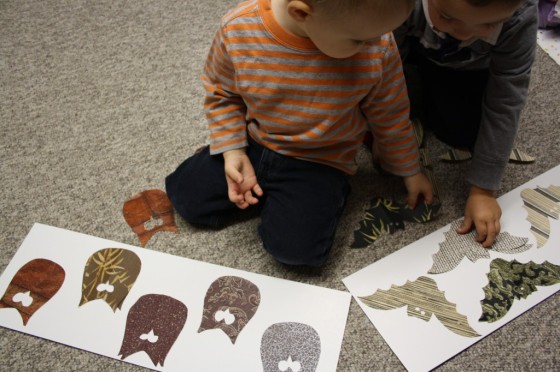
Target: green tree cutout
511 280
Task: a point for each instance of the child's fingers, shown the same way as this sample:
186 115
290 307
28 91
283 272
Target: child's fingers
412 199
234 174
235 197
486 234
252 195
492 231
429 196
234 192
250 198
257 190
466 226
498 227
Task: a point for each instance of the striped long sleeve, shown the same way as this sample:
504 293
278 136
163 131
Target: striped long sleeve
282 91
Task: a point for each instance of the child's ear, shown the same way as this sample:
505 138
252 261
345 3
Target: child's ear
299 10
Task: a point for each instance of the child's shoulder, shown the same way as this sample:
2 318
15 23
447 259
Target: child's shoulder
380 52
241 10
523 24
527 11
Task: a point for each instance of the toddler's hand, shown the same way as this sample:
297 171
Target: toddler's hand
241 179
417 185
484 212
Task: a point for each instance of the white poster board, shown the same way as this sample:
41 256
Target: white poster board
423 345
549 41
96 327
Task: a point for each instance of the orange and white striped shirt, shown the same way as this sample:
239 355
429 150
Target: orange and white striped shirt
293 99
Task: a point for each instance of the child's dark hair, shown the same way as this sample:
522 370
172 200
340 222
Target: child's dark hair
341 6
488 2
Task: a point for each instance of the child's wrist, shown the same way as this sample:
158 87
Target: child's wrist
234 152
475 190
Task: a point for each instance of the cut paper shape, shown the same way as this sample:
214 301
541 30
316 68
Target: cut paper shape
227 297
290 346
508 281
34 284
549 40
109 275
424 346
459 155
388 215
540 204
418 130
518 156
423 299
95 328
428 170
153 325
457 246
425 161
148 212
456 155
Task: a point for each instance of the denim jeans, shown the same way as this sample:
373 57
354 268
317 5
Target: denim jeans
299 210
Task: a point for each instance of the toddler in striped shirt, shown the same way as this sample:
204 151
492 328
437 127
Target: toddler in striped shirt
291 88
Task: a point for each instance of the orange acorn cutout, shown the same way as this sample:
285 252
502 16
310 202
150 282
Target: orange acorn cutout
148 212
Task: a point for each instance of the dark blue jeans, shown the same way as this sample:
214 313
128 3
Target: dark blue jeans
448 102
299 210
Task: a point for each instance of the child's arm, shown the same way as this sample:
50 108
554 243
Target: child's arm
511 60
387 110
243 188
225 111
506 94
224 106
484 212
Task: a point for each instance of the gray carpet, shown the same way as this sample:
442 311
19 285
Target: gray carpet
102 99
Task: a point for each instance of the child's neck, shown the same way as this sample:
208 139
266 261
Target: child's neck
280 11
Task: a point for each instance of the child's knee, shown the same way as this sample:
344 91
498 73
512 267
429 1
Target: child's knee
296 251
197 190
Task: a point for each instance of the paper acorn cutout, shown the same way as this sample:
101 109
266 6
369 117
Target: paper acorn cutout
290 347
109 275
229 304
148 212
153 325
32 286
